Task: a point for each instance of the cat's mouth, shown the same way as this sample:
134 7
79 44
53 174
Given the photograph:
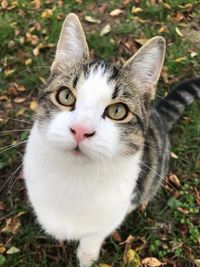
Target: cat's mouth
77 152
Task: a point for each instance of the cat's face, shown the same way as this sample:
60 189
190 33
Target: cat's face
92 109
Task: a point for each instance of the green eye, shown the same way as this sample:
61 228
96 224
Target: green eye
65 97
118 111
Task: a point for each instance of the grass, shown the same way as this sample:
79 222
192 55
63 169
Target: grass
169 228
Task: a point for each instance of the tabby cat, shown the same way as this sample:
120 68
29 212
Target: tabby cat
98 148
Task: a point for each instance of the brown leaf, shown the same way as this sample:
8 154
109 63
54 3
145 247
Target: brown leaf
167 6
19 100
183 210
2 249
197 262
184 229
92 20
174 180
40 46
106 29
12 225
47 13
116 12
28 61
3 98
33 39
102 8
116 236
173 155
129 240
151 262
12 250
9 72
4 4
37 4
33 105
2 205
179 32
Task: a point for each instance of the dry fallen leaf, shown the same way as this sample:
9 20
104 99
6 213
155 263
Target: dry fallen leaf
37 3
197 262
104 265
136 10
178 32
151 262
47 13
132 257
173 155
183 210
116 12
180 59
20 111
2 205
12 250
33 39
167 6
12 225
92 19
116 236
174 180
163 29
3 98
106 29
193 54
33 105
4 4
28 61
9 72
19 100
2 249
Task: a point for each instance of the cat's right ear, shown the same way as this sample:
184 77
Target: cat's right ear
72 45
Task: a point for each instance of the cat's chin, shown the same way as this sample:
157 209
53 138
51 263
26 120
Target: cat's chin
76 152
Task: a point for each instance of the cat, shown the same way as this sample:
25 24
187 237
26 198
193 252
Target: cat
98 148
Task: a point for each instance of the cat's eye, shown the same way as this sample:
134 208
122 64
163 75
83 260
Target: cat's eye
117 111
65 97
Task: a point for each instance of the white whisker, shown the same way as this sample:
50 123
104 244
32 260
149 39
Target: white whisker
9 118
10 177
163 179
15 130
12 146
14 182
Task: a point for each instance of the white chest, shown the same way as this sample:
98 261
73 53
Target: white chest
72 199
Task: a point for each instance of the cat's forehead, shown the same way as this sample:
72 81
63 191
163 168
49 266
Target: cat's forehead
98 81
94 80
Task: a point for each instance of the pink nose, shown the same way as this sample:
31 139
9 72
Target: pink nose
80 133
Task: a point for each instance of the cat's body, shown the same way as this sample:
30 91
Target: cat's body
97 149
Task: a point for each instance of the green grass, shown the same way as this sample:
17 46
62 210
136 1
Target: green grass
167 231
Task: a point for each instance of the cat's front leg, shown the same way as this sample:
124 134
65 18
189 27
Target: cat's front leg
89 248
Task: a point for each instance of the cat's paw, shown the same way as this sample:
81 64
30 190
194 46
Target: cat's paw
86 259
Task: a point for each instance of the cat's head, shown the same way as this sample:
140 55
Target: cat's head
93 109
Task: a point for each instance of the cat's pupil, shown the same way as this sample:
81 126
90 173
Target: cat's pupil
67 96
117 109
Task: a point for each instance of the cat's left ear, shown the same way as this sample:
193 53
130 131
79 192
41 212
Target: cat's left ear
146 64
72 45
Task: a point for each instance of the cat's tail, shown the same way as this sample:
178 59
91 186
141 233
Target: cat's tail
173 105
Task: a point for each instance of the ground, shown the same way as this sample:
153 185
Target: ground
168 230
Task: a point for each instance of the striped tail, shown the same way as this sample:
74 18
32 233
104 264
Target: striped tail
173 105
